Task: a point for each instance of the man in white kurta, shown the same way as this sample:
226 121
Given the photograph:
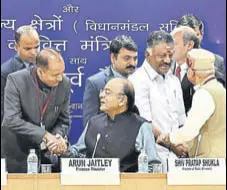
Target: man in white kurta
158 93
205 127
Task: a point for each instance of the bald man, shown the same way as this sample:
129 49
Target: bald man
36 114
27 47
184 40
123 134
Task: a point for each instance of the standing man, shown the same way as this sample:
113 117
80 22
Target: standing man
124 57
158 93
197 25
36 112
184 40
205 127
122 133
27 47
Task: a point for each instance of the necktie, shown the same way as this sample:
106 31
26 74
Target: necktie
178 70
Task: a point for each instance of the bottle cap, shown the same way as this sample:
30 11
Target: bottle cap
32 151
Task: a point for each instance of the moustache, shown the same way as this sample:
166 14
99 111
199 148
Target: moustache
165 64
130 67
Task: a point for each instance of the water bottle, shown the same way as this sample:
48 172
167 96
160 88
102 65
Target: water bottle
32 162
143 162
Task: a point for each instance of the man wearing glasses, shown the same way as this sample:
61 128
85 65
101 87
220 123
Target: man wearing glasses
205 127
117 132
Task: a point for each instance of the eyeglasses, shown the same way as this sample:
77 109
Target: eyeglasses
109 92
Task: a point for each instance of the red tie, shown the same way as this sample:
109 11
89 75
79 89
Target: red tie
178 70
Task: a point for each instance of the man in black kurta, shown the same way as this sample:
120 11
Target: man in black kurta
122 133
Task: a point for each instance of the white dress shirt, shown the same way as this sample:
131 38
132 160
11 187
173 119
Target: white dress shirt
160 100
203 107
184 70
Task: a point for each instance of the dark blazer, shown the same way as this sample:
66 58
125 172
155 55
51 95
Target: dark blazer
94 84
21 129
220 69
10 66
187 89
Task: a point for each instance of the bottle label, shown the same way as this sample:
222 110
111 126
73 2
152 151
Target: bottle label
32 164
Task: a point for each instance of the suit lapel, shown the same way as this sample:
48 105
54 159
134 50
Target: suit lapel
173 67
19 64
108 74
185 83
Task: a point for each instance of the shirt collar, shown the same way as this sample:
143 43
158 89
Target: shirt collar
26 64
196 87
116 74
183 66
41 84
152 73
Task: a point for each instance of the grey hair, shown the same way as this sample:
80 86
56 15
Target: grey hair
189 36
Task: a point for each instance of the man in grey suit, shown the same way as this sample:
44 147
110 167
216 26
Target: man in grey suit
124 57
185 39
27 47
36 112
197 25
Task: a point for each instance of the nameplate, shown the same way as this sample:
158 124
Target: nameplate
3 172
197 171
90 171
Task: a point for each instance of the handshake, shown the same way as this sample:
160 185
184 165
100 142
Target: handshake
55 144
181 150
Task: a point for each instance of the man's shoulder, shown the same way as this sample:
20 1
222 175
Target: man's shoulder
21 73
139 118
219 59
139 74
99 75
173 78
65 79
96 118
21 78
10 65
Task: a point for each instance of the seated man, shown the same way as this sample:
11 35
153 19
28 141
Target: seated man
122 133
205 127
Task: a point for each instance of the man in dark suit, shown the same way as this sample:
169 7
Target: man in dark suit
27 47
197 25
36 113
185 39
124 57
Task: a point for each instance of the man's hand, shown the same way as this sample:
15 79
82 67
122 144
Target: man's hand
57 146
180 150
163 138
61 146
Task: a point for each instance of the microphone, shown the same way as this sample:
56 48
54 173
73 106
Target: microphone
97 140
197 147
